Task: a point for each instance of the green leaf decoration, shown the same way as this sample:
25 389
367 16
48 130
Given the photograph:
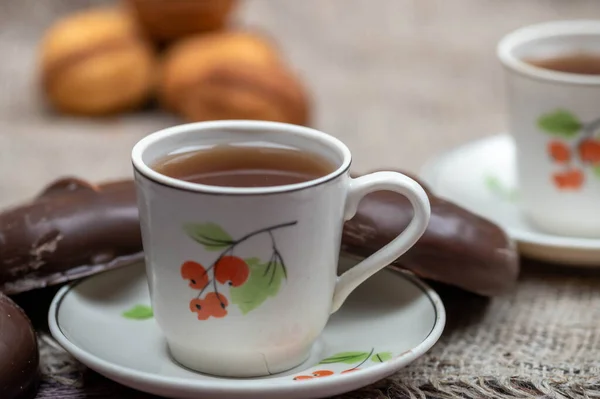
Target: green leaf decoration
210 235
493 183
596 170
498 188
560 123
139 312
346 357
381 357
264 282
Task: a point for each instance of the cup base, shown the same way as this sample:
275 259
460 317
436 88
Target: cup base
238 364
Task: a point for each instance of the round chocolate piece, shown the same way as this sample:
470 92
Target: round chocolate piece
19 356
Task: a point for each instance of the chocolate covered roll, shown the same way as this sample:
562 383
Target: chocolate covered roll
71 230
74 229
458 247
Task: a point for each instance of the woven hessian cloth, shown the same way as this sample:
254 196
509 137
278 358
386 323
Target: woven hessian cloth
400 81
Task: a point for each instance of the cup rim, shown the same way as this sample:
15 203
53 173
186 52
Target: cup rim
145 170
510 41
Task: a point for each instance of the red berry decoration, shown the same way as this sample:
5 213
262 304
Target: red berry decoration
569 180
323 373
303 377
232 269
576 178
216 304
559 152
589 151
196 273
198 306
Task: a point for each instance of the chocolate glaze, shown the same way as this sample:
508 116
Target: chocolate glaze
458 248
19 356
74 229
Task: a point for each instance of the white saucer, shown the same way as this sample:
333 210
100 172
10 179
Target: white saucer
387 323
481 176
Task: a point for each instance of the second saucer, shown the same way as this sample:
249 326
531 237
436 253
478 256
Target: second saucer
481 176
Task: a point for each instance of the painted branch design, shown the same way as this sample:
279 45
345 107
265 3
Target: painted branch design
252 282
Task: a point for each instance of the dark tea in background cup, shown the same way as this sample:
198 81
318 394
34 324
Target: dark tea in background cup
578 62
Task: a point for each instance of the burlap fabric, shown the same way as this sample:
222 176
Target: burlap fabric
399 81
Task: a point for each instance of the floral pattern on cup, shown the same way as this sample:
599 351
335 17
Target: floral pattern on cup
354 359
251 280
576 145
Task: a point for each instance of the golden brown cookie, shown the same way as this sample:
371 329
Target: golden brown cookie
95 62
167 20
233 75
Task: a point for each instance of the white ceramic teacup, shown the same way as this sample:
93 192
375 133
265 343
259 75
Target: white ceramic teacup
268 281
555 120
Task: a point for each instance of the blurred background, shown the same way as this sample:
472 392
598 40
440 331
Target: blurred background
400 81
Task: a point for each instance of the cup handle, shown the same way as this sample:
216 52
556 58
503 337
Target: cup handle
359 188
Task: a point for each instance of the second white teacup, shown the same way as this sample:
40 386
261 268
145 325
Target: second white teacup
554 116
